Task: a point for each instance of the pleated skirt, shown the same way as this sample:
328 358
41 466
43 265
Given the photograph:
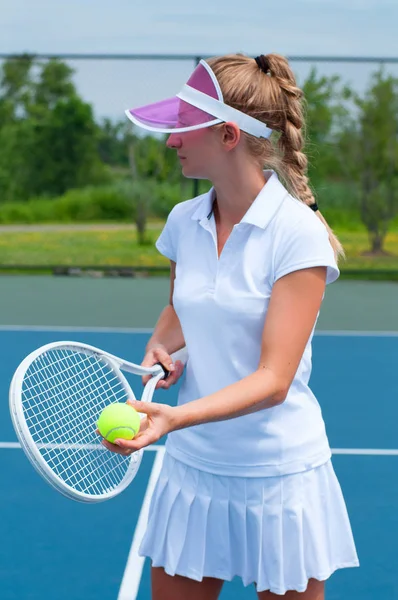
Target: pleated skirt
275 532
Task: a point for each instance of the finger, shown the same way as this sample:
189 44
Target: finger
146 408
150 352
165 384
114 448
164 359
179 367
149 360
174 376
155 355
140 441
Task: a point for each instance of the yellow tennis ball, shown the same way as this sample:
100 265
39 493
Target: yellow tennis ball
118 420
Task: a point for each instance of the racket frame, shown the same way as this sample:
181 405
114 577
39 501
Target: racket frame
30 447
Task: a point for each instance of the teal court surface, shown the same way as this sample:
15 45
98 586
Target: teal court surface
56 549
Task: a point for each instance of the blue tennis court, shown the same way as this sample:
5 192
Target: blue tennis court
57 549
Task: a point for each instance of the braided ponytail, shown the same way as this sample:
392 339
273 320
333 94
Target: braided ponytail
266 89
291 140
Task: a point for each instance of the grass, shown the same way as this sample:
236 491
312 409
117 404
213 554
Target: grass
357 242
78 248
119 247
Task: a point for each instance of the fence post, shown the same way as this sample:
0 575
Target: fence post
195 189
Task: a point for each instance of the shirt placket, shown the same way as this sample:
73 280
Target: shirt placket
221 263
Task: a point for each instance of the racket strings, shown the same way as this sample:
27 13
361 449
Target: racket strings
64 465
63 393
75 400
67 384
73 411
50 416
107 468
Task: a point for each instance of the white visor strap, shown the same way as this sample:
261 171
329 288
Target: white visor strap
224 112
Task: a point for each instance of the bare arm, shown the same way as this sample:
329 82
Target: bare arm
168 333
167 338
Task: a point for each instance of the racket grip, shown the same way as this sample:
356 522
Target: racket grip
181 355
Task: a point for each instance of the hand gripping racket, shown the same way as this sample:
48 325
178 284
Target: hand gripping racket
56 396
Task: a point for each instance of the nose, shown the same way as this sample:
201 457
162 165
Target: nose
173 141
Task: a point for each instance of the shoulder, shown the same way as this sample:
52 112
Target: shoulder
295 215
296 221
290 215
186 210
301 240
179 223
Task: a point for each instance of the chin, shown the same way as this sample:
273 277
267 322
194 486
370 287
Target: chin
191 173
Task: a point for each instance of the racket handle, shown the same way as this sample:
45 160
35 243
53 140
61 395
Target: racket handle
181 355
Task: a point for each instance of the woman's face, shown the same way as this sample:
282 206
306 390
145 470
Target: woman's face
197 150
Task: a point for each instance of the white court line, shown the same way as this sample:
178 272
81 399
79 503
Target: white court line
364 452
135 563
354 333
17 446
55 328
346 451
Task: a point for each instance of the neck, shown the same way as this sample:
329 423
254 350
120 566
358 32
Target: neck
236 192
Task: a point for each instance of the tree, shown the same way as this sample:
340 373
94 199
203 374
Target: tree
48 135
16 143
325 113
15 88
146 161
152 158
65 154
54 84
15 132
113 142
369 149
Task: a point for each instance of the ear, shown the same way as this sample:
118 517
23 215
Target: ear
230 135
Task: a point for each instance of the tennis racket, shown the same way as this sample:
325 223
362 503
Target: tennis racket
56 396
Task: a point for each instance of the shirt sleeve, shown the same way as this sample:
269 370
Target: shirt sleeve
167 241
304 246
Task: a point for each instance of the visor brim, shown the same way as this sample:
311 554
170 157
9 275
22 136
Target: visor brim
172 115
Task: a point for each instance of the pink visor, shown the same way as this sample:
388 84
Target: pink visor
199 104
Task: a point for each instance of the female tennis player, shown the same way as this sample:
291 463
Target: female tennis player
247 487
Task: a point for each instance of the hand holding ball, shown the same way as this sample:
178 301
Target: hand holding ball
118 420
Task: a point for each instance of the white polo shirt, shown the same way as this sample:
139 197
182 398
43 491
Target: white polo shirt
222 305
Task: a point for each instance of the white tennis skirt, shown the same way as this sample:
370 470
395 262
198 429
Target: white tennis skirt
275 532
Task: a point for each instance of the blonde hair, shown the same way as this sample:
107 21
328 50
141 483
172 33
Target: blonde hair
266 89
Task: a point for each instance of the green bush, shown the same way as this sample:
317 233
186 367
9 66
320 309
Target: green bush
14 212
108 203
163 197
118 202
337 195
342 219
104 203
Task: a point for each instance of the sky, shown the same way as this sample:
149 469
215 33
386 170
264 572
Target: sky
211 27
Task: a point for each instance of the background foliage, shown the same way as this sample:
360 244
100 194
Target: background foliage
58 164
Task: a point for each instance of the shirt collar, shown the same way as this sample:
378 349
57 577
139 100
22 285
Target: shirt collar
205 207
263 208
